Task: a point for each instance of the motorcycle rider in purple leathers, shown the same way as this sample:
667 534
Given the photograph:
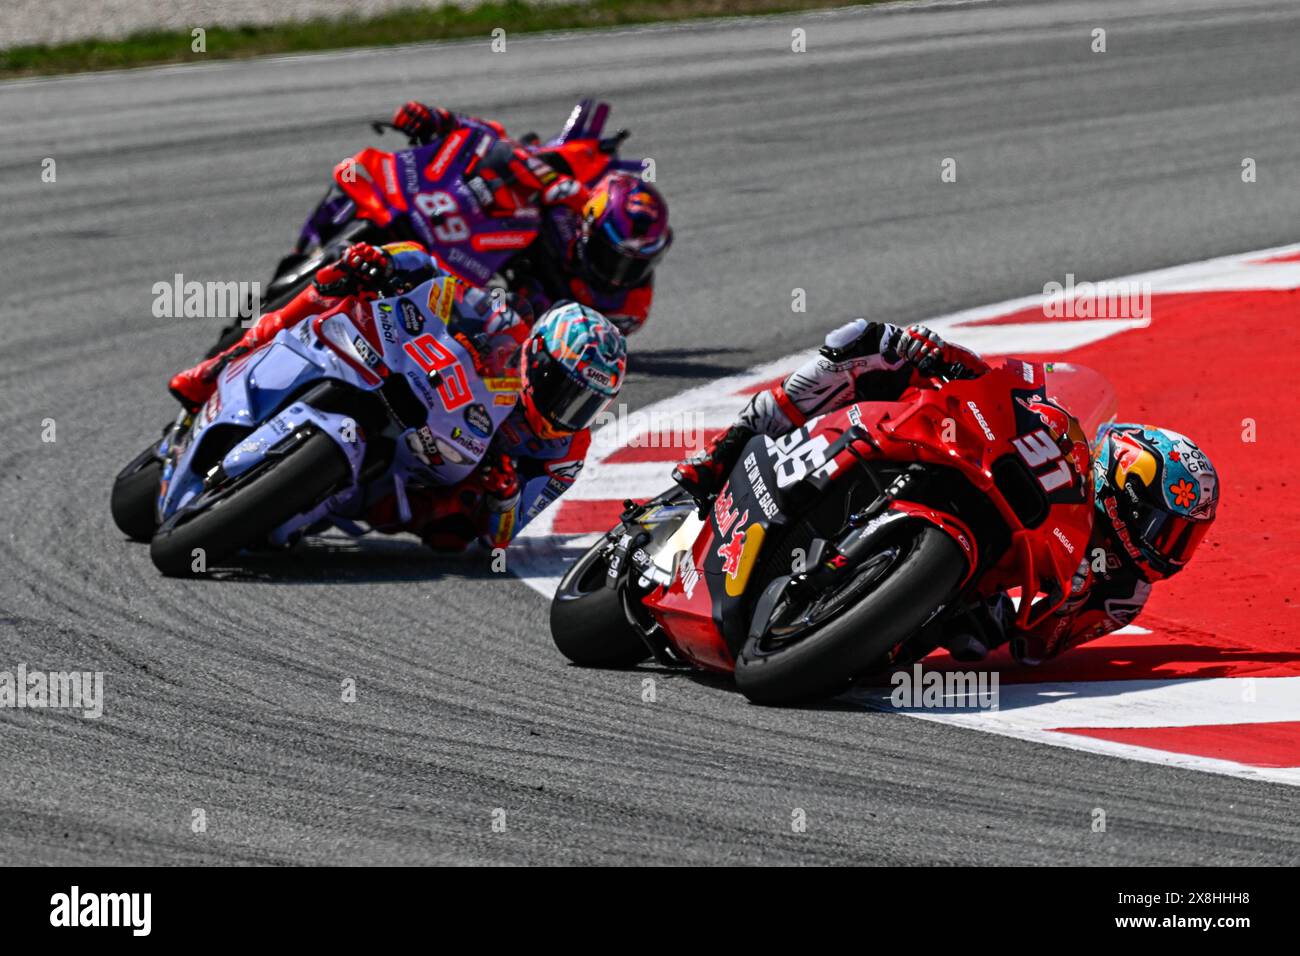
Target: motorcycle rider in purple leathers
1141 532
598 246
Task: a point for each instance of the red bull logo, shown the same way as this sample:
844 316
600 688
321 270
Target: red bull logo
641 203
1132 459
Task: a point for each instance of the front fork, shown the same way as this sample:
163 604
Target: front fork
829 562
627 557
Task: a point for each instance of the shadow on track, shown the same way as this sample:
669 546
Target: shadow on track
681 363
339 560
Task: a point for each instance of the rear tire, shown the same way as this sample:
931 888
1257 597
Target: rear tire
243 517
587 620
135 495
925 575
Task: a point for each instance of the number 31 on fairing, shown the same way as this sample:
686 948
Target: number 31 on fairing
1038 450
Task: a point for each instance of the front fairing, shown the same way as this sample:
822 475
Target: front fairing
426 188
707 604
250 390
465 409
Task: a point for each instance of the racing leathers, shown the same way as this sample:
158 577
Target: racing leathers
873 361
549 270
521 473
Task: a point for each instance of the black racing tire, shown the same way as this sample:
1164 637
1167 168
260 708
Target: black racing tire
286 486
135 495
587 620
925 574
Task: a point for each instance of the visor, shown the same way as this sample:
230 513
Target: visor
614 264
566 403
1172 537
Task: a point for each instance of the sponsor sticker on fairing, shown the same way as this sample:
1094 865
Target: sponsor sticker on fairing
447 297
478 420
688 573
412 317
368 355
386 328
468 442
422 445
765 500
983 423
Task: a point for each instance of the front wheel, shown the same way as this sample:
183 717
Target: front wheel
251 508
135 494
814 648
587 620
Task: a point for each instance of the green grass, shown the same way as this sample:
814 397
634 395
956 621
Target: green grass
401 26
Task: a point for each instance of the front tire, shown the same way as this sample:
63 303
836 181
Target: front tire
924 569
285 487
587 620
135 495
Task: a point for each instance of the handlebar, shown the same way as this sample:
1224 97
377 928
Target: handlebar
380 125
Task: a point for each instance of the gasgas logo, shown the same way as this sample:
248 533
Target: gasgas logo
979 417
690 574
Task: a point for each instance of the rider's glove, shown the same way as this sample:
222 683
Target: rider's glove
931 355
362 266
923 348
422 123
500 483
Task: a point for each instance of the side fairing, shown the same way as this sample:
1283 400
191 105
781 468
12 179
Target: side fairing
465 410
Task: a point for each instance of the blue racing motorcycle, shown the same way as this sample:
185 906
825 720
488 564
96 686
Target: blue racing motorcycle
340 410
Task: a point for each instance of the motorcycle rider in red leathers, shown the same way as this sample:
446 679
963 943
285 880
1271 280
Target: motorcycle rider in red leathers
1155 491
598 246
537 451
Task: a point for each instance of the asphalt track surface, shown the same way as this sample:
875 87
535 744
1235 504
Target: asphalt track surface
817 170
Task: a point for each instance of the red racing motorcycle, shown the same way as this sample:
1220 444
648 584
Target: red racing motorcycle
842 547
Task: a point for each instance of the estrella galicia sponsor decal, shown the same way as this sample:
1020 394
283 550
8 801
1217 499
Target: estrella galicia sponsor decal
412 318
478 420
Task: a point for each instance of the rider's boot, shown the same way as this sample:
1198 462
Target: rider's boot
705 473
195 385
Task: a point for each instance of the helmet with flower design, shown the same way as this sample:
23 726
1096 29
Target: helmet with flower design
1157 491
572 368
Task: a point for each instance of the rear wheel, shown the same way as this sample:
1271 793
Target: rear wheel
253 506
135 494
587 620
813 648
